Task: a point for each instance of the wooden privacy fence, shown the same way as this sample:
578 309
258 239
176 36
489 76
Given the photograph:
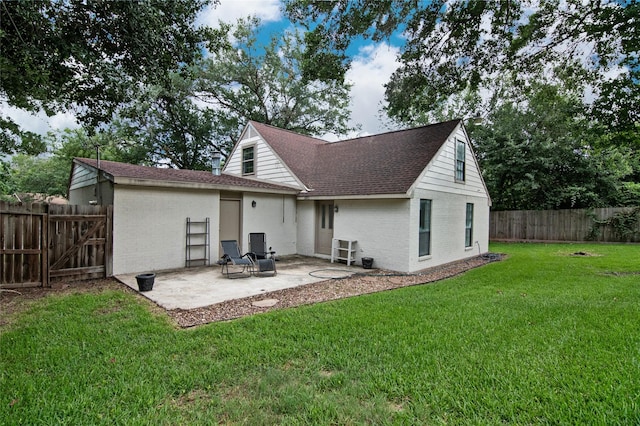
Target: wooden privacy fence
611 224
42 243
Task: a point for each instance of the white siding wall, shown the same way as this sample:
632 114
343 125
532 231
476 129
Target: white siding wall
82 176
267 167
387 230
381 228
440 175
149 226
274 215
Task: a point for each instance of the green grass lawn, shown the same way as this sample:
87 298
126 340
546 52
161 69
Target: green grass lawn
542 337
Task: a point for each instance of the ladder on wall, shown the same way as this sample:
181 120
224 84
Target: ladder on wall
197 248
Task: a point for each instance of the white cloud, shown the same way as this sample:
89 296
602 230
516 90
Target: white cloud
232 10
39 123
370 71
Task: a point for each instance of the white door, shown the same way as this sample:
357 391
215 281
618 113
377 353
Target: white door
324 227
229 222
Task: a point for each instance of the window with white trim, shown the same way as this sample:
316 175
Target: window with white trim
424 232
461 151
468 227
248 161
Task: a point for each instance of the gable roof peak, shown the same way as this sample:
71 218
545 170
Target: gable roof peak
386 163
258 126
392 132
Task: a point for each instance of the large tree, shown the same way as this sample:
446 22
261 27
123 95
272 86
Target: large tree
167 126
545 153
90 56
49 173
197 113
247 80
453 46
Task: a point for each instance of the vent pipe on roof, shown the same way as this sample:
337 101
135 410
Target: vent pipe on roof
215 163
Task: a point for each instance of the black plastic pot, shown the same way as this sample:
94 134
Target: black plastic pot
145 281
367 262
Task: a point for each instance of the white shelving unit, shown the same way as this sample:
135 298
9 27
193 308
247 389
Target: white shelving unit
343 250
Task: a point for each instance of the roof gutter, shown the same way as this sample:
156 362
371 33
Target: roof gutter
354 197
197 185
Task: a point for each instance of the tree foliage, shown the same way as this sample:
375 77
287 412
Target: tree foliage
546 154
453 46
48 174
90 56
246 80
183 122
165 126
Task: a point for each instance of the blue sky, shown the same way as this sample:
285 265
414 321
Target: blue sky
371 68
372 63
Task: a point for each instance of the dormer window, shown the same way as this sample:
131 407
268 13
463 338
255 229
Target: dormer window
248 161
460 160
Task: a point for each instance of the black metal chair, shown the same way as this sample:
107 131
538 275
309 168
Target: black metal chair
263 259
233 257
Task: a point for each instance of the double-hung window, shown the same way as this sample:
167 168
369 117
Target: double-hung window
468 227
460 160
424 238
248 161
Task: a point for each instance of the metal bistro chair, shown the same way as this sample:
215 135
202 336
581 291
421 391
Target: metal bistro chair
232 256
263 259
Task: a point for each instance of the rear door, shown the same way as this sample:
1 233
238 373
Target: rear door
229 222
324 227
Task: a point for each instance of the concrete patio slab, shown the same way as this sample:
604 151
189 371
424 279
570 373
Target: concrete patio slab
192 288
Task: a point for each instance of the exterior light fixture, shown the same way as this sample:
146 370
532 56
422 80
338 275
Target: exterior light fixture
253 204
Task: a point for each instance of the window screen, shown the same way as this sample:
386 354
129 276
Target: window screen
468 229
247 161
424 238
460 160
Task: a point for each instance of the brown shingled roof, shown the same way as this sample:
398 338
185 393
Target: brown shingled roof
297 151
388 163
131 171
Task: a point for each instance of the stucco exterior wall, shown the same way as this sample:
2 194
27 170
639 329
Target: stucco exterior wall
149 226
306 228
274 215
448 214
388 229
381 228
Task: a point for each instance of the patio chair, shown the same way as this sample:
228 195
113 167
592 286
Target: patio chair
263 259
232 256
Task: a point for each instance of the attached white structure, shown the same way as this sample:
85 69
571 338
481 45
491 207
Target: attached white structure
409 199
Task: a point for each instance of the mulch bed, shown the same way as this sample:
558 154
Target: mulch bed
372 282
376 280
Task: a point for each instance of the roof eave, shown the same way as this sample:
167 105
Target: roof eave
198 185
311 197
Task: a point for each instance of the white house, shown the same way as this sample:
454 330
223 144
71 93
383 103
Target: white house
409 199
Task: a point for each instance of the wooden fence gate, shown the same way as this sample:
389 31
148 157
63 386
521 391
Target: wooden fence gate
40 243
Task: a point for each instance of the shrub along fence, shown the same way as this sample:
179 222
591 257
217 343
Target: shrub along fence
611 224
